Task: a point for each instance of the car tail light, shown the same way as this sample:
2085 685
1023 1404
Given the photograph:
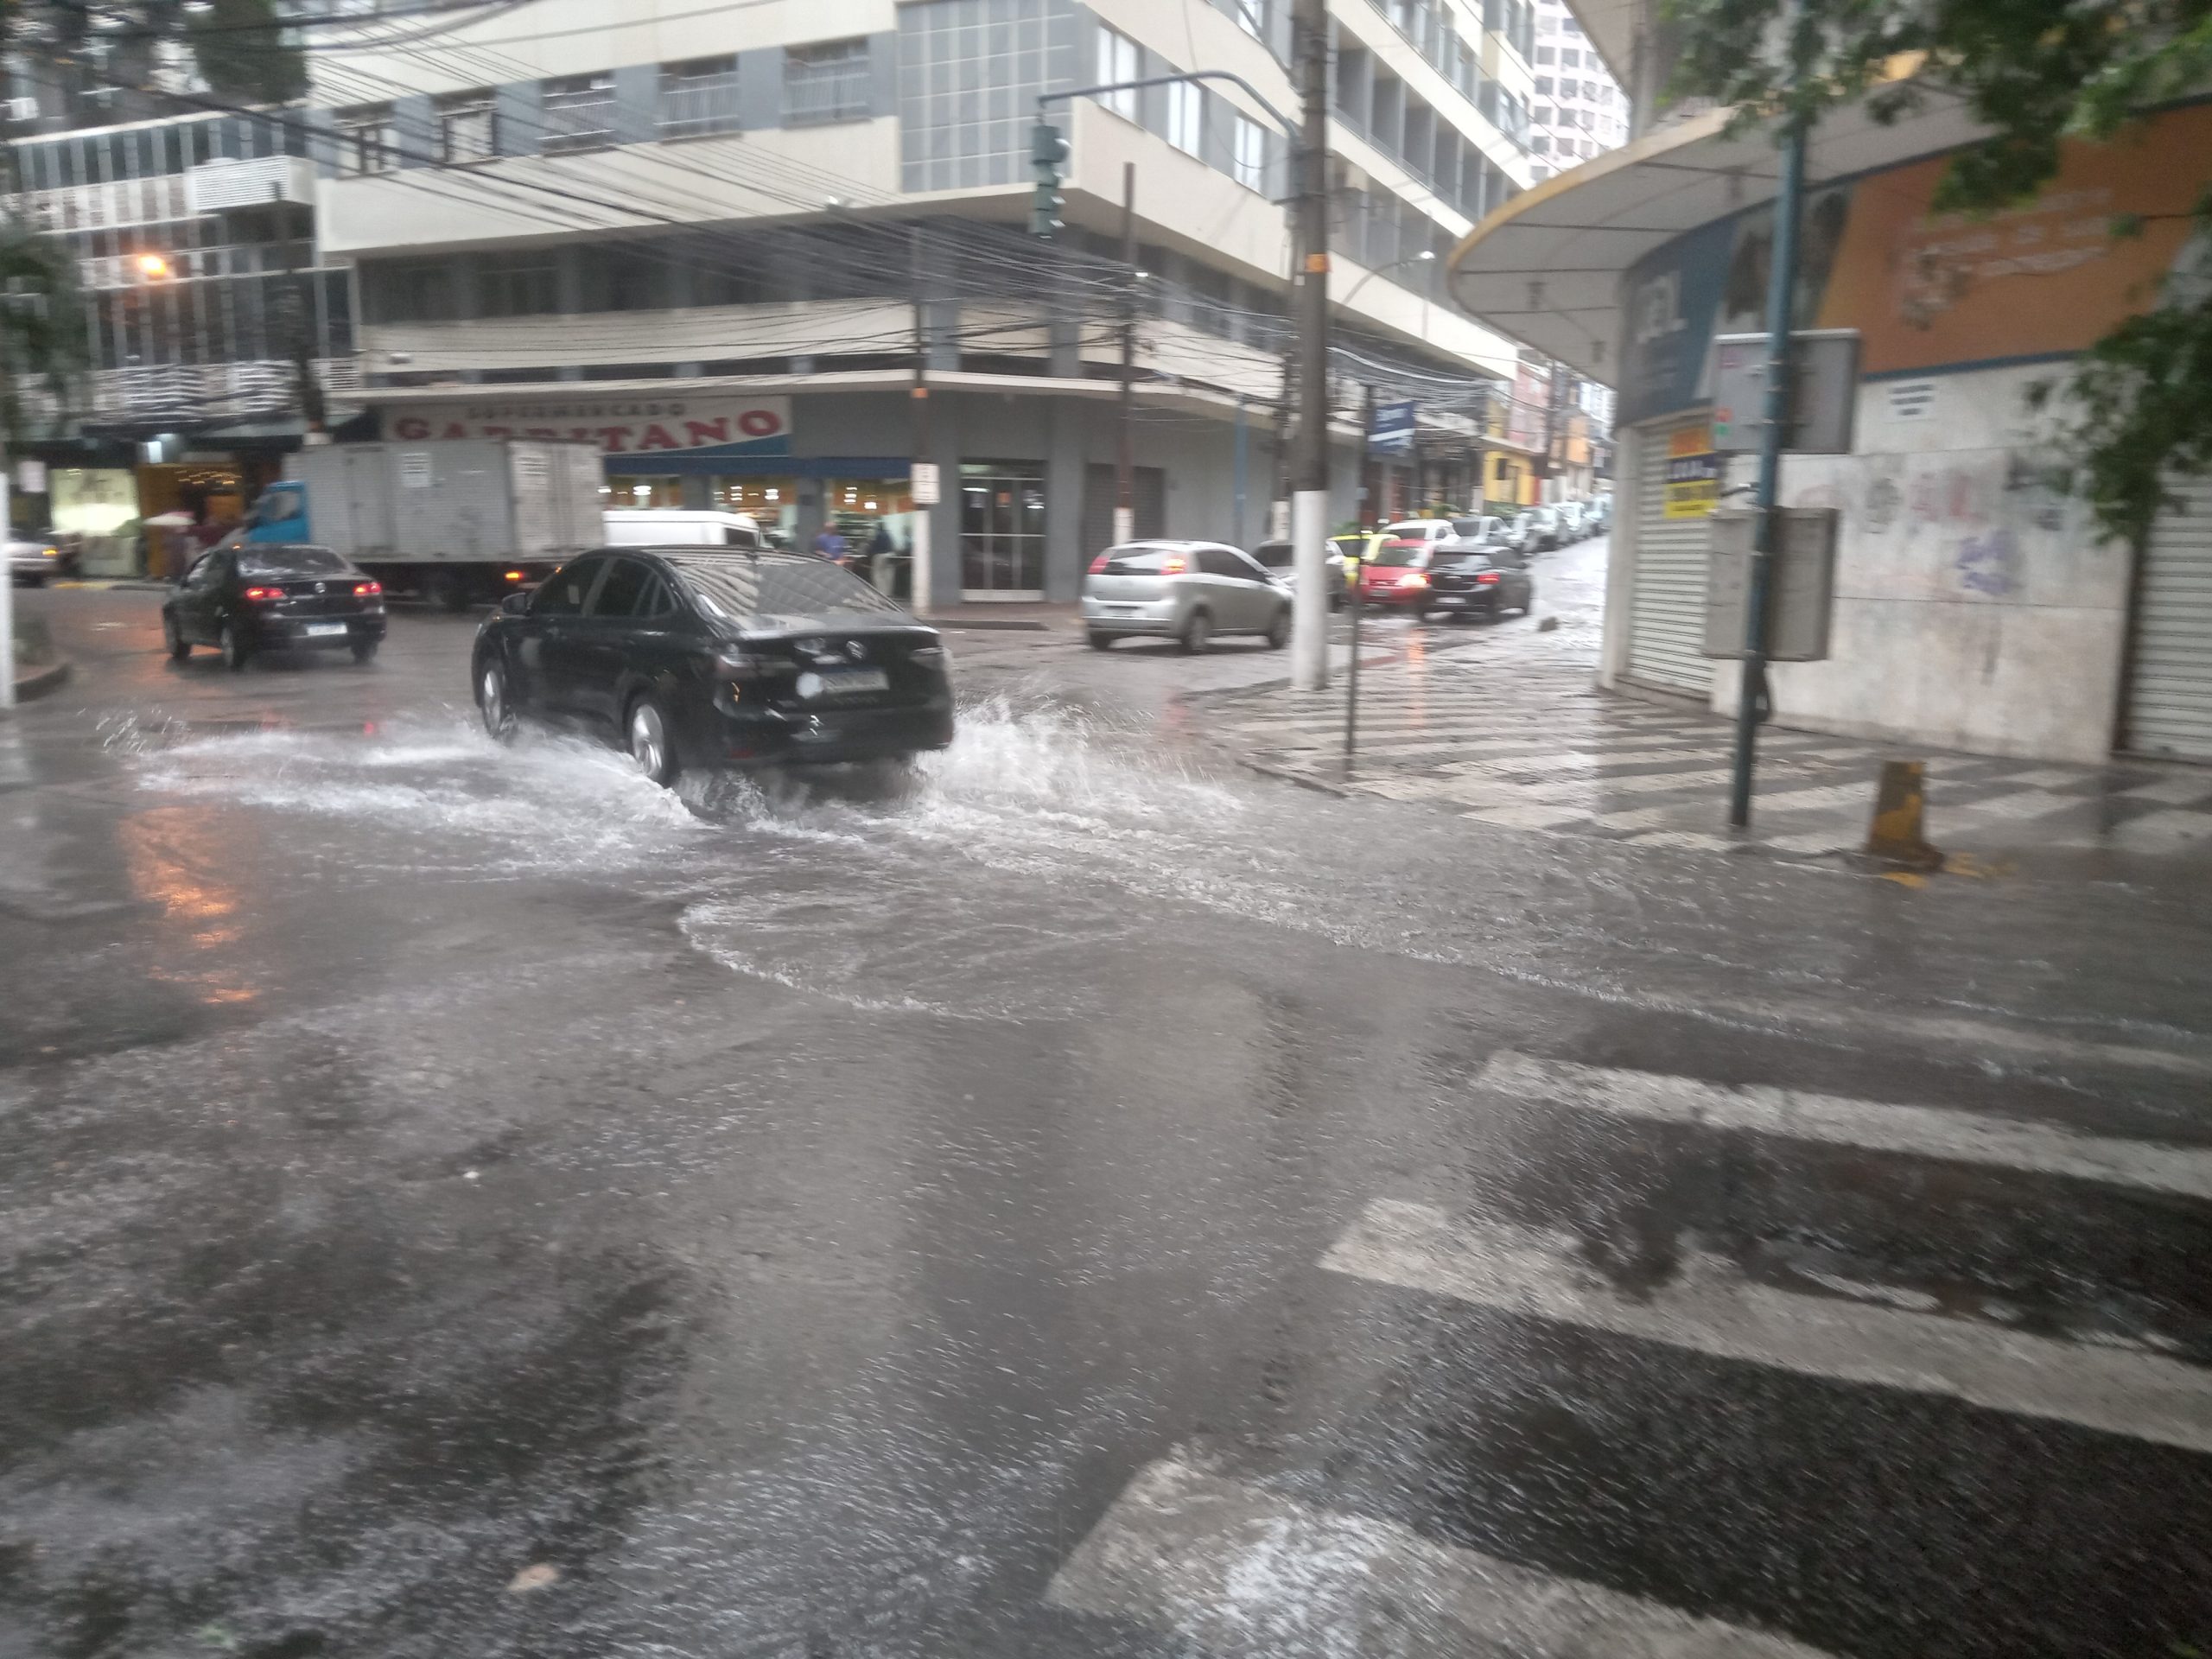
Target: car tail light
1485 578
262 595
1414 579
1098 564
514 575
367 589
1174 565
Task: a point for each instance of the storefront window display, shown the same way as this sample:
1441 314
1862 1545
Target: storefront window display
1002 529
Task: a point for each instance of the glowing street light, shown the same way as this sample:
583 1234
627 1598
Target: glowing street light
153 266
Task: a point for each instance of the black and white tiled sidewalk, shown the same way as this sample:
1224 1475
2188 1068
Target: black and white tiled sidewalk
1509 732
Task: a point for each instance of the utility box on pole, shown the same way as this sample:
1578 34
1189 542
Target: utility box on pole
1823 391
1800 586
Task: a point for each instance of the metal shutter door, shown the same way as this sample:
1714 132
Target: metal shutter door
1666 645
2170 683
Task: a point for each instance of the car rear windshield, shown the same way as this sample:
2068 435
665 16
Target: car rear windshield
1470 528
1146 561
1393 555
776 590
292 560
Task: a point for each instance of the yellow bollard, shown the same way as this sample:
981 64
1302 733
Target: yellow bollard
1899 832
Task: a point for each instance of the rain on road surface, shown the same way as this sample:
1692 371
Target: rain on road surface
1075 1198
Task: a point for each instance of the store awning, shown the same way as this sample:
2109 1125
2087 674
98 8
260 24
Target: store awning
1547 267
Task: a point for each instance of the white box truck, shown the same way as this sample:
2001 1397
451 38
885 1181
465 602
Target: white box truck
455 522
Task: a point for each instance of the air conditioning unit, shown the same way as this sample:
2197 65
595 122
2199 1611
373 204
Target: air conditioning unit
22 108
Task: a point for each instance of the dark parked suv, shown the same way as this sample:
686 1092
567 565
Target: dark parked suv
710 657
1484 581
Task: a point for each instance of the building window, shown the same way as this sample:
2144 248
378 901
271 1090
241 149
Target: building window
1186 116
414 293
824 82
1545 53
467 128
1543 85
1117 60
1569 58
698 97
1249 153
579 113
967 94
1543 114
1573 29
1001 528
1541 144
1251 16
518 285
366 142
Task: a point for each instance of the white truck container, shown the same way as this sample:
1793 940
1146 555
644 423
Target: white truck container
456 521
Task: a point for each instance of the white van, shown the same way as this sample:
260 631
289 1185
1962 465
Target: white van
681 527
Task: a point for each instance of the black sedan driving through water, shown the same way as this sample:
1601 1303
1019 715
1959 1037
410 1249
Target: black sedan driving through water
698 657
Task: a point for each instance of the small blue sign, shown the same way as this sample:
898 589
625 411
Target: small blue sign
1391 431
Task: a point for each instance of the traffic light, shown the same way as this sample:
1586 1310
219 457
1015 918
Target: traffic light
1047 149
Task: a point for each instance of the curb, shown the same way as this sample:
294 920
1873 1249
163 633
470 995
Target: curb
1302 780
41 682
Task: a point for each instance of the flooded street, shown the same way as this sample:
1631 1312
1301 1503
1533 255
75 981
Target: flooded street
1072 1196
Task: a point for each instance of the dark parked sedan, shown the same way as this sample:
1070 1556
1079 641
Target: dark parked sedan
273 596
1484 581
705 657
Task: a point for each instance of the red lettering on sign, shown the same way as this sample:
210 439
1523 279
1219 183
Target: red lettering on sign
699 432
411 426
657 438
499 431
611 438
540 432
453 429
759 423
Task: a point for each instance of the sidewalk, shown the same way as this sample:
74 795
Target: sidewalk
1511 730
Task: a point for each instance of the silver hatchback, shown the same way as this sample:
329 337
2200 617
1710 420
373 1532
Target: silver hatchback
1187 591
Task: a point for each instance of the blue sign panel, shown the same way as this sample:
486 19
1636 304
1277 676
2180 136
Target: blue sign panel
1391 432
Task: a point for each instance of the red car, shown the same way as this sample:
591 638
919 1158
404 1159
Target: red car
1396 575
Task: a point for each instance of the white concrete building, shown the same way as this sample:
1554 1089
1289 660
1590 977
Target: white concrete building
712 238
1580 111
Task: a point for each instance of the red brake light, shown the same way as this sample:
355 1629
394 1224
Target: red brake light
1098 564
260 595
1173 565
368 589
514 575
1486 579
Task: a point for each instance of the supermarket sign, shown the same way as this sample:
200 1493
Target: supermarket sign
697 427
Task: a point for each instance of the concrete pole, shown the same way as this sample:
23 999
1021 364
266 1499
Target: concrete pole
1309 501
919 572
7 604
1125 458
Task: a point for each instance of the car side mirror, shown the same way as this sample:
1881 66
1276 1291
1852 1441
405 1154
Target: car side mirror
517 604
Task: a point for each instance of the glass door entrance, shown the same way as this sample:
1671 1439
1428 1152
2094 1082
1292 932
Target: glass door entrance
1002 530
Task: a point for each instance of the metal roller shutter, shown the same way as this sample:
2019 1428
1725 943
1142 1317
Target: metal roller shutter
2170 681
1666 644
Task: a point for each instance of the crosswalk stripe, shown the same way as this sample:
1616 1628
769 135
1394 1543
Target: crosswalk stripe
1242 1571
1710 1307
1922 1131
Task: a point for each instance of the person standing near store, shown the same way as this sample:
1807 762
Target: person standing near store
881 549
829 544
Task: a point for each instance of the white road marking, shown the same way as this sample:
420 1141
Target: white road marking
2173 792
1922 1131
1244 1574
1710 1307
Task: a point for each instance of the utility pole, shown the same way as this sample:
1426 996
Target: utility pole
1780 291
924 486
1309 501
1125 454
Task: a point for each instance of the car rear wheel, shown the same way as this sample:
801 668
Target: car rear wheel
173 639
649 741
1198 634
364 651
493 703
234 647
1096 641
1279 630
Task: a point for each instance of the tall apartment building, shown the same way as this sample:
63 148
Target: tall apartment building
213 334
1580 111
717 242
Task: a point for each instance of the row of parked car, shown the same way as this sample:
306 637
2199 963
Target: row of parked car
1474 566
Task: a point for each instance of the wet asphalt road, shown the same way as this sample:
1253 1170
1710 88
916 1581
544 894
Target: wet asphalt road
1082 1200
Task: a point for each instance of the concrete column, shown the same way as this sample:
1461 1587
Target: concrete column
518 114
698 490
1067 423
944 517
637 103
1620 558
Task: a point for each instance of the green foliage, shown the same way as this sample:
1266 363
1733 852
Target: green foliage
41 321
2035 72
242 57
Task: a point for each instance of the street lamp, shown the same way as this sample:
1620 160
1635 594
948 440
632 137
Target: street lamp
1426 256
153 267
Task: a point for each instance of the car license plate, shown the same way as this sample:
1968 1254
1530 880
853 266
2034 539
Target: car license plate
849 681
323 630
